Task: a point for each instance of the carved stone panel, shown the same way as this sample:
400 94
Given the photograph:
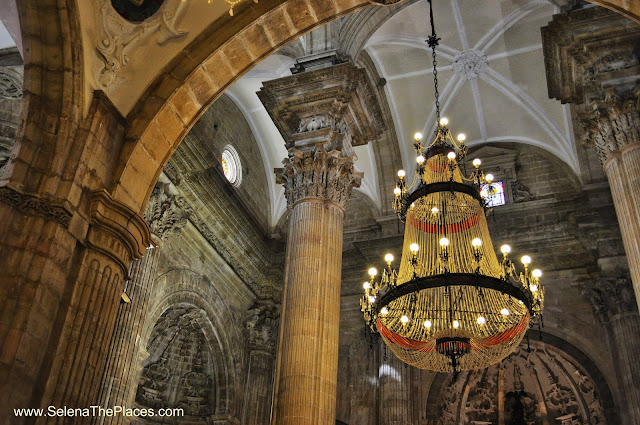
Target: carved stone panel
166 213
179 370
541 386
118 33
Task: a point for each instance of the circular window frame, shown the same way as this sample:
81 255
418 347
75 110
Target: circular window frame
230 155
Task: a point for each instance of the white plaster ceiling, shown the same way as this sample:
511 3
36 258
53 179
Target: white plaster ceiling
243 93
6 40
507 102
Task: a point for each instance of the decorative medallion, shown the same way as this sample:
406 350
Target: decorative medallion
470 64
136 10
127 24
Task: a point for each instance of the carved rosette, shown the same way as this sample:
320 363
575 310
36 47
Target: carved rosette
316 173
166 214
612 123
470 64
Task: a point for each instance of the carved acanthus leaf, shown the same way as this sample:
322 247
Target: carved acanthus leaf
316 173
166 214
610 296
612 123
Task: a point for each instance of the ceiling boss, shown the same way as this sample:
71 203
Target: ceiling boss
451 305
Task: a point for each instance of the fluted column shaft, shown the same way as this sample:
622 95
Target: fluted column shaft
395 388
623 171
321 114
625 329
123 367
308 360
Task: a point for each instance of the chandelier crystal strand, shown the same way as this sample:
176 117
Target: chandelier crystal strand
452 305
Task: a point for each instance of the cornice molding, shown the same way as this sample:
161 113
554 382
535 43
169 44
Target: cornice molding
37 205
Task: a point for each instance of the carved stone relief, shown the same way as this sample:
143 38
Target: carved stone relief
469 64
117 35
166 214
262 325
179 370
610 295
10 83
317 173
540 386
520 192
612 123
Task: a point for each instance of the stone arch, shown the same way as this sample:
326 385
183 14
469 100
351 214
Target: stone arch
180 368
187 287
196 78
52 94
578 365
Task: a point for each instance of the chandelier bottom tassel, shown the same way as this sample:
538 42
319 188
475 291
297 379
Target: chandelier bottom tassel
451 305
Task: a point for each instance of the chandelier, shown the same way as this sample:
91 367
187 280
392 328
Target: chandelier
451 305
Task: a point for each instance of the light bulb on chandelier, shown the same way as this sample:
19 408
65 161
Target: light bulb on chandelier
455 306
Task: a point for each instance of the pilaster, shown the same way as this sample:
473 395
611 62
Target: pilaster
166 214
65 250
262 329
116 236
613 302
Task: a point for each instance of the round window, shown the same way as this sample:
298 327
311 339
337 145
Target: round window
231 166
136 10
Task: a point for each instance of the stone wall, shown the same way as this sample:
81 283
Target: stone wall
569 229
11 76
224 124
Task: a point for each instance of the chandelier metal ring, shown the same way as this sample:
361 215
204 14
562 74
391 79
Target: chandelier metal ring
453 279
451 305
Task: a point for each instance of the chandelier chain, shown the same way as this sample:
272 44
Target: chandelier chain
432 41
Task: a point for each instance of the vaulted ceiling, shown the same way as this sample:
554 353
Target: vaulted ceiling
490 73
491 81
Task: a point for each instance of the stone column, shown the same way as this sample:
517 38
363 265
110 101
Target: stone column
262 327
89 312
396 407
166 215
613 128
318 184
603 79
613 301
65 250
321 115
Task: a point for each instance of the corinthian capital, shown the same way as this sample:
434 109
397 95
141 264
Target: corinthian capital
612 123
316 173
610 296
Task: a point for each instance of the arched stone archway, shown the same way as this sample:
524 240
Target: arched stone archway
181 287
57 189
544 381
